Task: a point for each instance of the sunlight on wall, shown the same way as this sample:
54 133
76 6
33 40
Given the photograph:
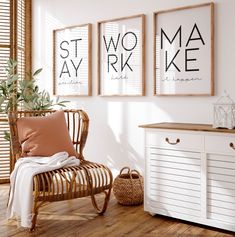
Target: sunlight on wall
45 24
115 118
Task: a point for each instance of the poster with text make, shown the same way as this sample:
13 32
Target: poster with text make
72 61
121 55
184 51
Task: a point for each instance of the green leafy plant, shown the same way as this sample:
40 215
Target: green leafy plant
15 92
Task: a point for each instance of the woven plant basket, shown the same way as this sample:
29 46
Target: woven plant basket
128 187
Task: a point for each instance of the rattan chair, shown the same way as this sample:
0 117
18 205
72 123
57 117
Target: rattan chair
87 179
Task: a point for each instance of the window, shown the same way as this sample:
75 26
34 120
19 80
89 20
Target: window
15 42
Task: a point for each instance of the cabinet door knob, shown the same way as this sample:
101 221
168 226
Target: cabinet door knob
232 145
173 143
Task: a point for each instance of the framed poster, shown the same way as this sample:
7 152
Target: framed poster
184 51
121 56
72 61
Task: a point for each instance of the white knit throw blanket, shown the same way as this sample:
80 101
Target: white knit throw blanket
21 194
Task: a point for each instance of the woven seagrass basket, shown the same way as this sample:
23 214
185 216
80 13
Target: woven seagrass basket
128 187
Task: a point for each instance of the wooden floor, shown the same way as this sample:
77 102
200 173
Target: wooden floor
77 218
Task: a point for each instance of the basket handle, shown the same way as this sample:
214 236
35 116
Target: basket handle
124 169
131 177
134 171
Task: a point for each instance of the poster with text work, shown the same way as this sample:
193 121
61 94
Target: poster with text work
121 57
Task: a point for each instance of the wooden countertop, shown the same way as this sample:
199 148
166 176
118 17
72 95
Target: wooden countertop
187 126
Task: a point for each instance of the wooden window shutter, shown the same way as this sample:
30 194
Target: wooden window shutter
15 42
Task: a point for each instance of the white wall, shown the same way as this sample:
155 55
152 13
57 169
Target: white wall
114 137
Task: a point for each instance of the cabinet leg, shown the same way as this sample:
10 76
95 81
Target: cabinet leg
152 214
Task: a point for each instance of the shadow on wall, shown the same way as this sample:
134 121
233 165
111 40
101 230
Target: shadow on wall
125 155
115 135
121 153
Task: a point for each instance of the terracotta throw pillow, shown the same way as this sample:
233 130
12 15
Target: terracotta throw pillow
44 136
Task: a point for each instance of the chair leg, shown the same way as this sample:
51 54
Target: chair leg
105 202
34 220
35 215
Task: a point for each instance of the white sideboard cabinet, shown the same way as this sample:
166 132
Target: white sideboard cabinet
190 173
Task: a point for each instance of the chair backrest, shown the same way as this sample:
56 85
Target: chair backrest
77 123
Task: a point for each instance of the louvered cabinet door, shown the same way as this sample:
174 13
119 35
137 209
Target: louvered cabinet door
221 179
174 183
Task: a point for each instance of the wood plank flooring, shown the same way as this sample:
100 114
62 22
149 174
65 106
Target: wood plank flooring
78 218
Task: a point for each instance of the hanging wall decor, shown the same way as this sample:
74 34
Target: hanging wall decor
72 61
184 51
121 56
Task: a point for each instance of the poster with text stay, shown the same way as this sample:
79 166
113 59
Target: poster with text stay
121 56
72 61
184 47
